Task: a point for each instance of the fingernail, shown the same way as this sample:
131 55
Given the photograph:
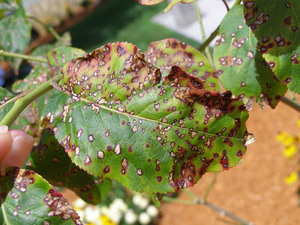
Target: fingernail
3 129
19 140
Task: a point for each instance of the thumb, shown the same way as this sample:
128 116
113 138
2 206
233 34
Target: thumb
21 146
5 142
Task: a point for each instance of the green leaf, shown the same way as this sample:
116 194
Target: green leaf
243 70
5 7
42 50
276 25
27 198
5 104
37 76
114 120
60 56
169 52
15 33
50 161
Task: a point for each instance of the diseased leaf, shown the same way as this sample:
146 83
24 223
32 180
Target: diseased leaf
150 137
60 56
37 76
243 70
174 2
42 50
276 26
15 33
171 4
149 2
50 161
5 104
5 7
169 52
26 196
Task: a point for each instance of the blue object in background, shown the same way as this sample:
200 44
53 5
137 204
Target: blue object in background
2 80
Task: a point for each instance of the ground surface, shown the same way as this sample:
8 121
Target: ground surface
255 190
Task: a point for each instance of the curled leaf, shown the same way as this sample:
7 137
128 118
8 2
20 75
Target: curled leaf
171 4
115 119
169 52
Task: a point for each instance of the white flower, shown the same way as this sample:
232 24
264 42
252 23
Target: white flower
79 203
104 210
115 215
91 214
119 204
140 201
130 217
80 214
144 218
152 211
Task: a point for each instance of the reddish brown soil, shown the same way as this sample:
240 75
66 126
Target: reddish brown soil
254 190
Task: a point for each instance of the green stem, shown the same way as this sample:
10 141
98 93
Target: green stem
23 102
226 213
215 33
208 189
291 95
49 28
202 30
177 200
22 56
191 195
292 103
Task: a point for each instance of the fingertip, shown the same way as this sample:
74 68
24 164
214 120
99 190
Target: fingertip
5 142
20 149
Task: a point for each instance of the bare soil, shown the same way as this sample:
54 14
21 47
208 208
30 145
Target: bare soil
254 190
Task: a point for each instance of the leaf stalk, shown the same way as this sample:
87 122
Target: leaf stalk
202 31
215 32
23 102
22 56
49 28
291 102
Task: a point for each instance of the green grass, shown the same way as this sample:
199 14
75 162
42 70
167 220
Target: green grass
122 20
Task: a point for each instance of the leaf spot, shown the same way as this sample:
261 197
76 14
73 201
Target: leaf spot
91 138
100 154
140 172
117 149
87 160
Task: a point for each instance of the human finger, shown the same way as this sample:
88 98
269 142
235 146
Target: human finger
5 142
20 149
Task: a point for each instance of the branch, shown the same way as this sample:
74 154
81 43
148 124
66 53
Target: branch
208 189
23 102
202 31
49 28
216 31
226 5
292 103
198 201
21 56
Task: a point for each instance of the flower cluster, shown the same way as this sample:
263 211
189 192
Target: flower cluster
292 147
127 208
